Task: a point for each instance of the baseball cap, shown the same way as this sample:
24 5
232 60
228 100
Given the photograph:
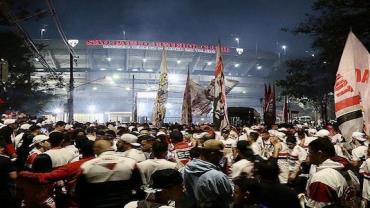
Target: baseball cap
322 133
359 136
25 126
9 121
38 139
214 145
130 138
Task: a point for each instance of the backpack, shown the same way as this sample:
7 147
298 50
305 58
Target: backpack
352 192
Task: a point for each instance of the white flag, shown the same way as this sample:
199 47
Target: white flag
160 101
350 87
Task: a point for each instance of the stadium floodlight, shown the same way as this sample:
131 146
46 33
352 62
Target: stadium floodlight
209 63
72 43
313 55
109 59
178 61
149 70
244 92
284 47
92 108
236 65
135 70
115 76
144 60
259 67
103 69
94 88
128 89
57 110
119 69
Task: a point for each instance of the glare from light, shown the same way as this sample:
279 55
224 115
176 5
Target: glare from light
119 69
325 62
135 70
244 92
43 30
209 63
115 76
259 67
237 39
37 59
109 78
148 89
94 88
149 70
144 60
173 77
284 47
168 105
2 59
109 59
128 89
313 55
57 110
202 119
103 69
91 108
64 89
178 61
229 74
236 65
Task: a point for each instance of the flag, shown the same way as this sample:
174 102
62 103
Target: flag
202 97
286 110
220 118
186 117
159 111
352 87
267 99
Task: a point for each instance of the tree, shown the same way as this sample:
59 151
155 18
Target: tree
329 24
20 92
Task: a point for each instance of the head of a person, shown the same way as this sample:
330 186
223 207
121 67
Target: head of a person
253 136
35 129
320 150
225 133
101 146
168 183
245 190
267 171
60 126
146 142
41 142
159 149
301 134
244 151
212 151
265 135
56 139
291 141
126 142
86 148
42 164
176 137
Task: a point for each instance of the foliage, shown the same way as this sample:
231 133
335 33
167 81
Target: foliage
328 25
20 92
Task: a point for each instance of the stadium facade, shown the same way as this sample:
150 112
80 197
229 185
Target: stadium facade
104 71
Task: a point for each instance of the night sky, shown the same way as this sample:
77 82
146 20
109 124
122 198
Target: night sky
195 21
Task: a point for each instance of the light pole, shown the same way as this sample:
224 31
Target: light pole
237 41
72 43
284 47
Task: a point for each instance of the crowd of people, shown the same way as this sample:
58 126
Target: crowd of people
55 164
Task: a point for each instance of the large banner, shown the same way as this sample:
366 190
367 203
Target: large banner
351 90
186 116
160 101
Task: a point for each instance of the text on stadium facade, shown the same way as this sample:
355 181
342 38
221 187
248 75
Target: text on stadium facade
171 46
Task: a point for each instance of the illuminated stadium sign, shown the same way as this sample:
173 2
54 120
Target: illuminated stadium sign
148 45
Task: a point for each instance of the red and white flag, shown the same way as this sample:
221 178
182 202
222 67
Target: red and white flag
351 90
220 117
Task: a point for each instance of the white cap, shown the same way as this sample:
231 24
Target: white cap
322 133
281 136
336 139
312 132
39 138
9 121
199 135
161 133
140 128
131 127
130 138
299 126
359 136
283 129
25 126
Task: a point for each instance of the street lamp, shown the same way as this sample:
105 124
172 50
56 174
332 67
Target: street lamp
237 41
284 47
